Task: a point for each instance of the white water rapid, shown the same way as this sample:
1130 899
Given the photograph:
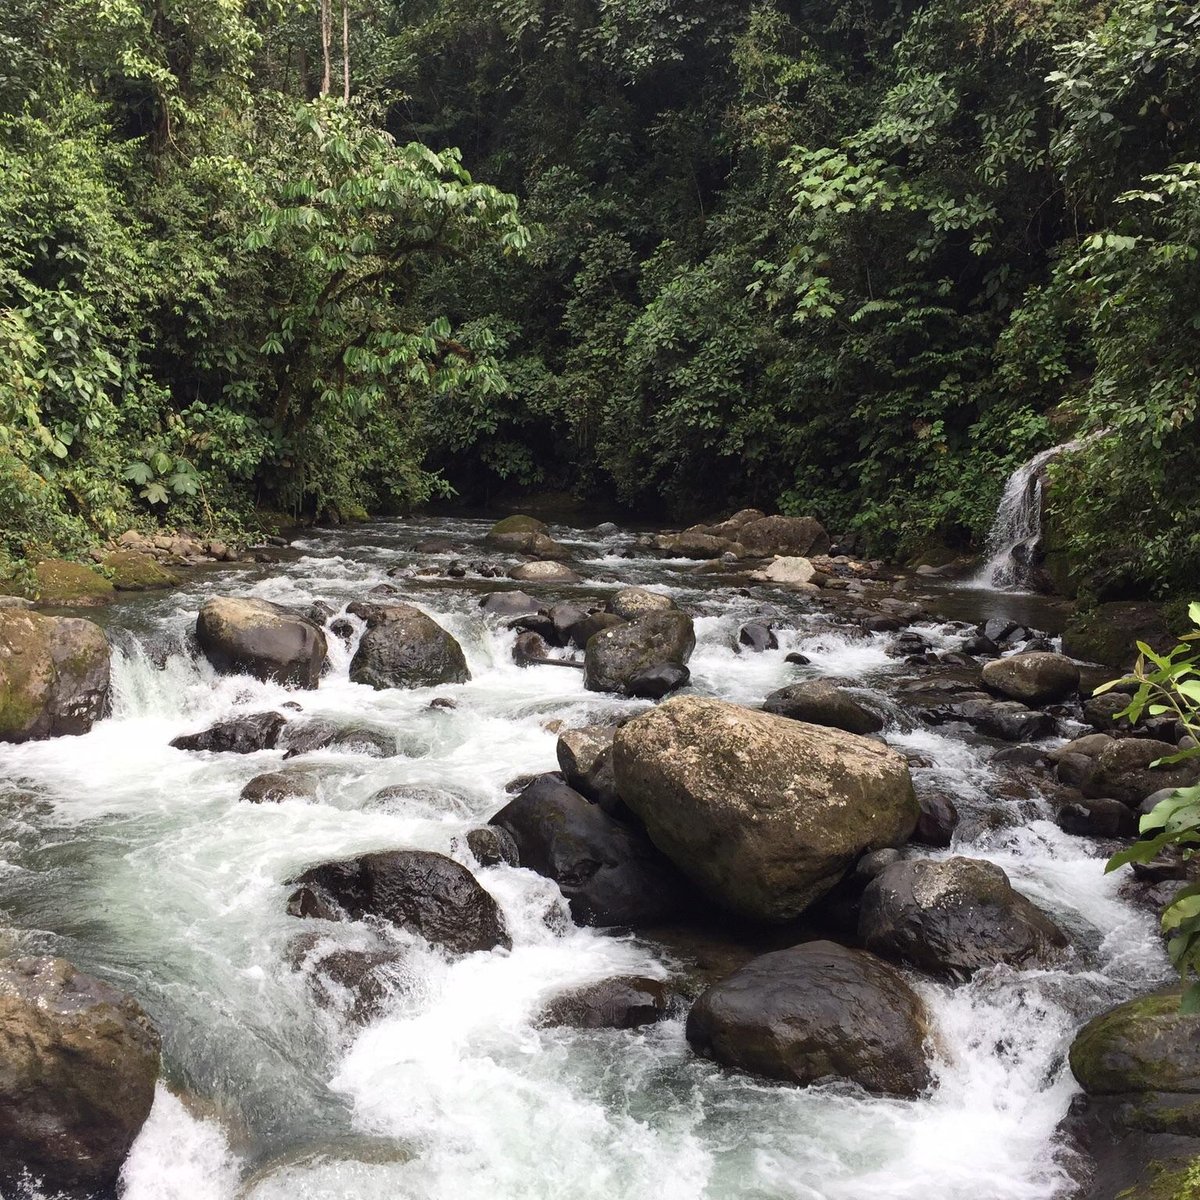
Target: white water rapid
139 863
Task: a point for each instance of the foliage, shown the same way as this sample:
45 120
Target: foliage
1169 685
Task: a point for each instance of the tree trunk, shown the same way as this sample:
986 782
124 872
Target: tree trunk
346 51
326 38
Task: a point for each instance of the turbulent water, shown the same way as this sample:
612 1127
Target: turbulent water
139 863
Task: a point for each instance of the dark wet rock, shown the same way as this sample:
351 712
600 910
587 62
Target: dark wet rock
54 675
535 545
342 629
509 604
764 814
585 757
1072 770
1124 772
1091 745
530 648
1100 712
274 787
594 623
625 1002
1020 756
938 819
564 619
819 702
653 683
609 872
443 702
980 647
238 735
953 917
311 736
404 648
1032 678
615 655
1100 818
607 529
875 863
799 660
492 846
633 602
543 572
356 982
814 1012
757 636
425 893
78 1065
1007 720
261 639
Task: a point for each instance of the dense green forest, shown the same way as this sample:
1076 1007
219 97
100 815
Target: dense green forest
853 260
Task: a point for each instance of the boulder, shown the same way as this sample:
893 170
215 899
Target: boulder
274 787
536 545
54 675
585 758
614 655
789 572
820 702
238 735
1123 771
633 602
625 1002
693 543
492 846
814 1012
953 917
765 814
543 572
1007 720
1100 818
1109 633
310 736
404 648
583 632
530 648
653 683
133 571
426 893
1033 678
609 873
78 1064
509 604
757 636
260 639
938 820
62 584
517 523
565 619
787 537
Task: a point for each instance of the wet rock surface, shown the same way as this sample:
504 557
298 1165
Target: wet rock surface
262 639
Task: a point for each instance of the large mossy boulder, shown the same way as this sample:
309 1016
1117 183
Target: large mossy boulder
1109 633
816 1012
953 917
258 638
608 871
820 702
787 537
54 675
1124 770
763 813
517 523
133 571
62 584
426 893
404 648
1036 677
78 1064
615 656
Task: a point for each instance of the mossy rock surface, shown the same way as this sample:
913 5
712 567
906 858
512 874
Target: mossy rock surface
62 584
518 523
133 571
1109 633
1144 1045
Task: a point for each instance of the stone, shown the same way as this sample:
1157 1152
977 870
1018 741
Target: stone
261 639
819 702
509 604
274 787
78 1065
133 571
609 872
938 820
564 620
788 537
311 736
585 758
763 813
653 683
594 623
530 648
543 572
1102 818
1123 771
54 675
1007 720
238 735
626 1002
1033 678
404 648
493 846
692 543
792 571
535 545
356 982
518 523
756 636
953 917
633 602
426 893
614 655
62 584
815 1012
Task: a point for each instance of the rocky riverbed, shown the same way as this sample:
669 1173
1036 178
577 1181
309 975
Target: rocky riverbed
451 860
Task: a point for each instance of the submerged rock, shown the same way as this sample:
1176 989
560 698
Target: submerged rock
625 1002
274 787
238 735
820 702
954 917
261 639
404 648
609 873
78 1064
54 675
613 656
311 736
426 893
817 1011
763 813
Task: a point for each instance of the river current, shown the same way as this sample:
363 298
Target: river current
139 863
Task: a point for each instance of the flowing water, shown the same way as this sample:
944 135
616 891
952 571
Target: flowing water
139 863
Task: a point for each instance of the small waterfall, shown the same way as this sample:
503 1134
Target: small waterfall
1014 542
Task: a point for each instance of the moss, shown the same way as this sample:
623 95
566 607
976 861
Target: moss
132 571
518 523
62 584
1167 1182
